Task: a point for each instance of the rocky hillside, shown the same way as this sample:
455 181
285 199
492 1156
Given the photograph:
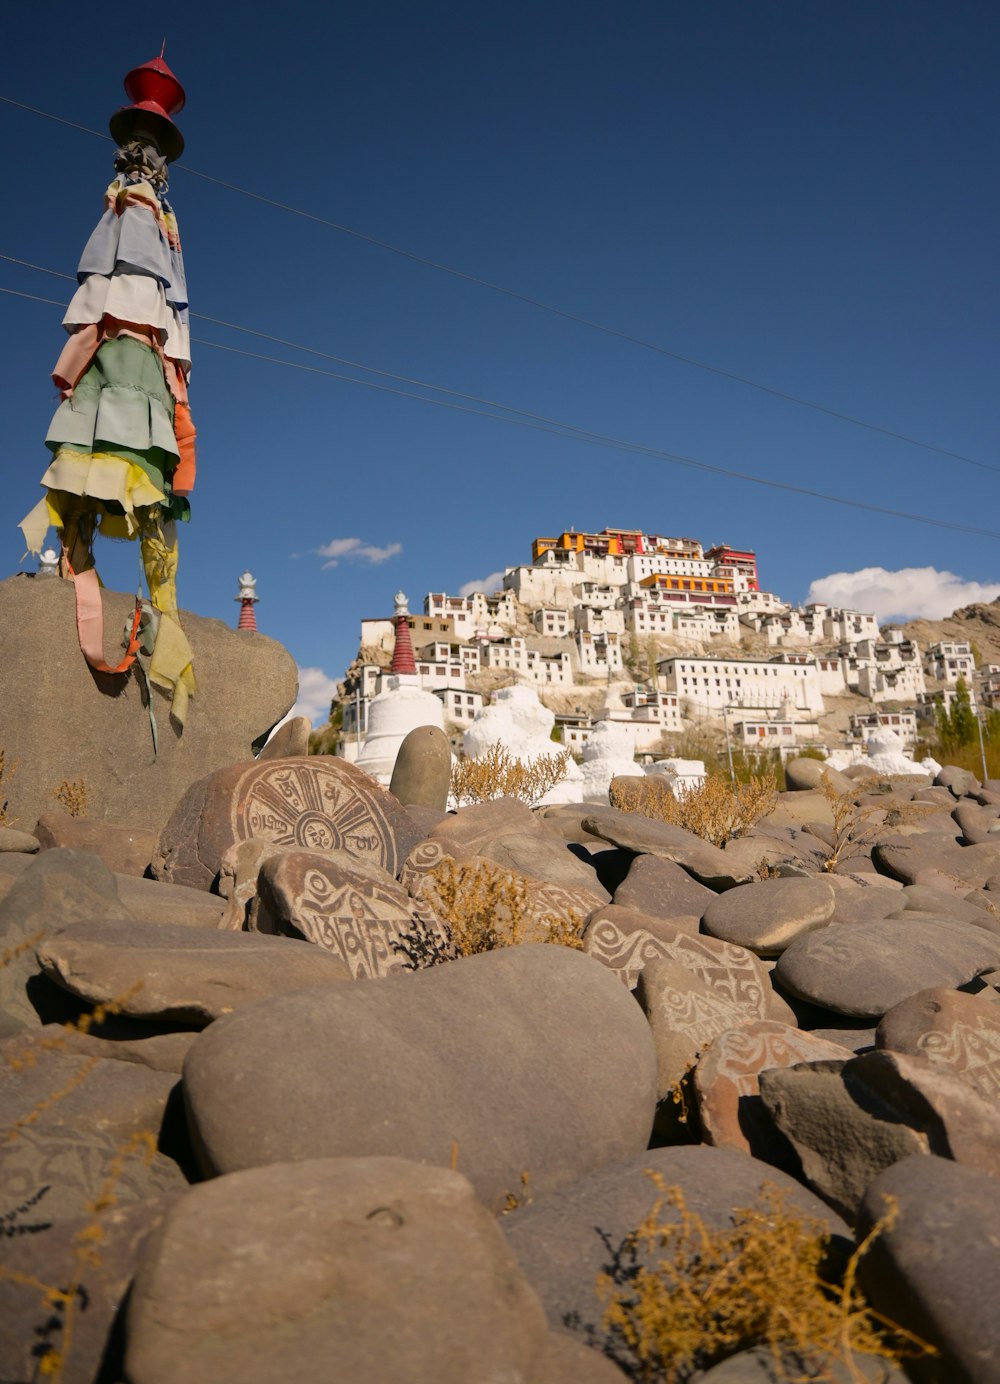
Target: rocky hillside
979 624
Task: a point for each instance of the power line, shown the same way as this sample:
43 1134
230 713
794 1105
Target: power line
494 404
537 303
568 431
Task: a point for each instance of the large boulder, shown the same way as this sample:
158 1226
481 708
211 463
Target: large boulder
181 974
59 721
489 1064
935 1269
346 1269
58 888
865 969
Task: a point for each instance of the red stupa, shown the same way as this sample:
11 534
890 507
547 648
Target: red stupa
247 598
402 652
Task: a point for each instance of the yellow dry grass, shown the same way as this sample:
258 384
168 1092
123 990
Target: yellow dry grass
684 1296
498 774
485 907
717 811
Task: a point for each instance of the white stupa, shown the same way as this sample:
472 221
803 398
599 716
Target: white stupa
400 706
608 753
517 720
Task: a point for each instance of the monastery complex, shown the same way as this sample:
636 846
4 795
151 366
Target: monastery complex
668 638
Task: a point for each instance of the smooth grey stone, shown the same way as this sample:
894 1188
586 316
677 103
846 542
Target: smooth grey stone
333 1269
936 1269
565 1240
181 974
488 1063
630 830
865 968
421 775
661 888
765 917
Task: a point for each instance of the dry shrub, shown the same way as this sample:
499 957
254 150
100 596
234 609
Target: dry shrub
682 1295
485 907
499 775
716 811
73 797
856 826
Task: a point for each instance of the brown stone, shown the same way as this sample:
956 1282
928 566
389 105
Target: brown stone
543 902
180 974
164 1051
60 721
661 888
551 862
949 1029
468 830
865 969
727 1081
290 740
566 1240
925 859
155 901
804 774
52 1258
633 832
935 1269
316 803
361 919
125 850
956 1121
59 888
530 1060
12 840
685 1014
766 916
842 1137
335 1269
421 775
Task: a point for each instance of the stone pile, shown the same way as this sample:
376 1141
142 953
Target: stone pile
292 1134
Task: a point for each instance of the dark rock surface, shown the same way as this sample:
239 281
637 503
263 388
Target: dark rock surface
181 974
351 1291
477 1064
936 1269
865 969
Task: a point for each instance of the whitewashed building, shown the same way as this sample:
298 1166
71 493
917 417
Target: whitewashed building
710 684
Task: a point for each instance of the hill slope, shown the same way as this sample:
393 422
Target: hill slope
978 624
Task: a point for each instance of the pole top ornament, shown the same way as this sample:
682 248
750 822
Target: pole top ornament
156 96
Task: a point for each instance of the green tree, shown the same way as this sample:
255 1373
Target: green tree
957 727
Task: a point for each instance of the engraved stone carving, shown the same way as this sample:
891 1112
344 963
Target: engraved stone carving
727 1086
731 971
317 803
353 915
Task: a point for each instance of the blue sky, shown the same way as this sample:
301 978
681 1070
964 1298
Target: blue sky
801 194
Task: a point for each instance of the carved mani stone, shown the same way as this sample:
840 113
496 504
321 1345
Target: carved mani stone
361 919
316 803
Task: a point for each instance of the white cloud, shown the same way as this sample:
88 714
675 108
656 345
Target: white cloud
315 693
488 584
912 593
356 549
